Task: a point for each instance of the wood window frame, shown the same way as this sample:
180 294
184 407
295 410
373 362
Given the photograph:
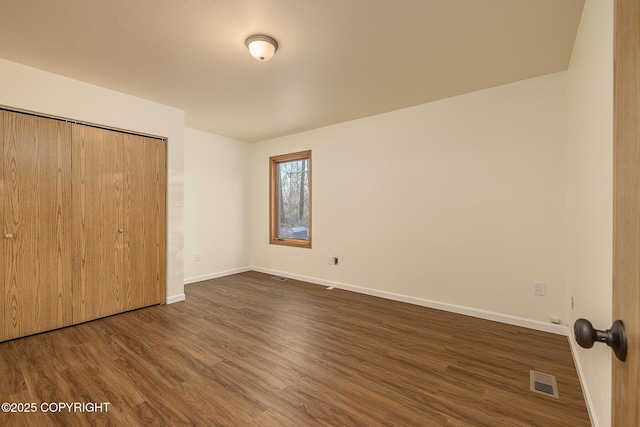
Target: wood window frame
273 205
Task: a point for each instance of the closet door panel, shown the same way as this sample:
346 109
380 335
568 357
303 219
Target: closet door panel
2 230
98 239
145 220
36 200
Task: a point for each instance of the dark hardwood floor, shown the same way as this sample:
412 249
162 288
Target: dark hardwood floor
250 350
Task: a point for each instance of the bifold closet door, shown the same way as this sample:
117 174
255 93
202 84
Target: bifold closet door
98 235
145 220
35 192
119 222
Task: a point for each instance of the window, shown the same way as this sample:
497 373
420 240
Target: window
290 199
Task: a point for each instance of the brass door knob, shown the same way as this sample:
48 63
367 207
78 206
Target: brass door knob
8 236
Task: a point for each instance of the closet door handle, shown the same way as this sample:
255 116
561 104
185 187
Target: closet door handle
120 230
8 236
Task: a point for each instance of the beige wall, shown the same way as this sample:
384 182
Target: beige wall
216 202
459 202
31 89
590 178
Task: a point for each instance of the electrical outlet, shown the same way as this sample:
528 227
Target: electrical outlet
197 257
538 288
332 260
335 260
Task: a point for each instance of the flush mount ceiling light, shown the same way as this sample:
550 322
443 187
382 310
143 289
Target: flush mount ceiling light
262 47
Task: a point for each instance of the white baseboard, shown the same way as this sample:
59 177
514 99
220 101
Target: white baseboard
585 390
195 279
175 298
468 311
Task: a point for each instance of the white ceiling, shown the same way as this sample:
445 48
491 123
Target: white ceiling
338 60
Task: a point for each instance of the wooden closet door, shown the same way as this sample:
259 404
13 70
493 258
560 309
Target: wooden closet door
3 258
98 227
36 201
145 220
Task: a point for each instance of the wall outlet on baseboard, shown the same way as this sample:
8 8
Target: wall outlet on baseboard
555 320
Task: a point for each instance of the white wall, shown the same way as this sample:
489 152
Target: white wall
590 181
216 204
35 90
460 201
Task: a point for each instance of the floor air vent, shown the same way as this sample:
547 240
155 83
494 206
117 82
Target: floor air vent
544 384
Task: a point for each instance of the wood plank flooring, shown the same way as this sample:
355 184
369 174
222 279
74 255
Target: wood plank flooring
251 350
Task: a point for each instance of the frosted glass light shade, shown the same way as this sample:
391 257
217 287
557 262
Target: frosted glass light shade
262 47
